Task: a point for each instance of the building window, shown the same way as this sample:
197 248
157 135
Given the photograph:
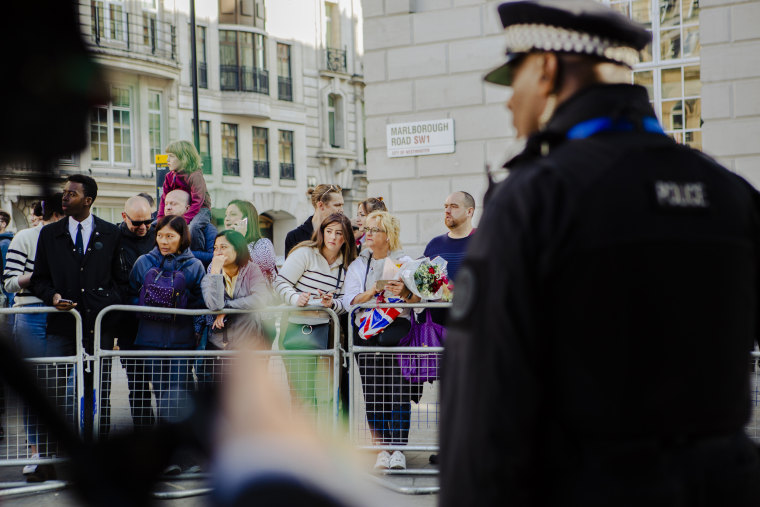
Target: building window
669 69
332 25
154 124
230 162
287 168
335 120
335 60
260 152
109 214
111 129
200 57
109 20
242 62
242 12
205 145
284 80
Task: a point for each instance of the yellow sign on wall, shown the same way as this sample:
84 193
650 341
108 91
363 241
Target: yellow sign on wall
162 160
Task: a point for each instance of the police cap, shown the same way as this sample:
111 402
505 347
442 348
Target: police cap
567 26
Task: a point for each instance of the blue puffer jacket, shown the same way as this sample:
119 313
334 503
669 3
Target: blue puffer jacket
177 334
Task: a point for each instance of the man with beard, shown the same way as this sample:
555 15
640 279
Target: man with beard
599 338
452 246
138 237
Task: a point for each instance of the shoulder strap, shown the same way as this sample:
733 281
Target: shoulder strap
366 272
340 273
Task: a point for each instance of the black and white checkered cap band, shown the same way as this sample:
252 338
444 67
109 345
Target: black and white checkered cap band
522 38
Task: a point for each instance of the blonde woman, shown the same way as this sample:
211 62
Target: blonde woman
387 395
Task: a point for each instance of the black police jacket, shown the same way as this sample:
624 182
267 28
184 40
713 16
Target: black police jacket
608 304
93 282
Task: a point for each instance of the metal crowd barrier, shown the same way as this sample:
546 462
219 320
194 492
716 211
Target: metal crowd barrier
311 376
61 379
753 426
383 403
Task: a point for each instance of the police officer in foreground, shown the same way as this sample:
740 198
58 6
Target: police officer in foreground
599 340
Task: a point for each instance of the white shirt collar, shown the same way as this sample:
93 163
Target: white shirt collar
87 225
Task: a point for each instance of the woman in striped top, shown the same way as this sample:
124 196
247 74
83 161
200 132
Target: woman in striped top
315 270
313 274
29 328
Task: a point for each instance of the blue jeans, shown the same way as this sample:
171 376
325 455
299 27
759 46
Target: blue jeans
29 338
29 332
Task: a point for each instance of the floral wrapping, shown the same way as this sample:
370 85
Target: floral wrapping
426 278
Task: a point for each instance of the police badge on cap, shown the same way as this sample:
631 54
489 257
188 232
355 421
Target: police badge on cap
567 26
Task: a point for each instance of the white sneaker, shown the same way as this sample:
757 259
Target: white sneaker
383 460
30 469
398 461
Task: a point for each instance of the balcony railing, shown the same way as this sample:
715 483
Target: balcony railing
244 79
336 60
230 167
285 88
206 164
260 169
109 26
287 171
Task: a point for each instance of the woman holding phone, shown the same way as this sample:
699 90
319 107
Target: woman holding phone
313 274
387 395
243 217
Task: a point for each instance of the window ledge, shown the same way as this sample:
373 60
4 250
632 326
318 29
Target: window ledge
287 183
262 181
337 153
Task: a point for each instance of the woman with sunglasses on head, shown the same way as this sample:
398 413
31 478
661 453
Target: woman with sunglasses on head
387 395
364 208
326 200
313 275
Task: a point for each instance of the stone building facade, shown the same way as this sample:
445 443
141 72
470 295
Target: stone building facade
280 103
425 60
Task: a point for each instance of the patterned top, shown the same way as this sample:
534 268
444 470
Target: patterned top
262 254
20 261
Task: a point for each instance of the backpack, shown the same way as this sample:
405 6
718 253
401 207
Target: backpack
163 289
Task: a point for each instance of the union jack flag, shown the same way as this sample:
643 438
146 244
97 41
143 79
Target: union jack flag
377 319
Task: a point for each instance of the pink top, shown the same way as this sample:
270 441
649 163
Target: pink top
194 184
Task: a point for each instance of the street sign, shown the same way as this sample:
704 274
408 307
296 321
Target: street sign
429 137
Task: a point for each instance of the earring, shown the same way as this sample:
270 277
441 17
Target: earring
546 115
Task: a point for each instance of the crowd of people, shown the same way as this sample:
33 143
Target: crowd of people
170 255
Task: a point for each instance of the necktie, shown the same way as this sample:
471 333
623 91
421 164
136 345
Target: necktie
79 244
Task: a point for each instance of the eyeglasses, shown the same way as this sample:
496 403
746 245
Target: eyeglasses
373 230
138 223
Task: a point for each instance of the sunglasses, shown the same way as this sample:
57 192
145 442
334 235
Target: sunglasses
373 230
138 223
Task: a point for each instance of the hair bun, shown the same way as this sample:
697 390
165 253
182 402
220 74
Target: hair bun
310 191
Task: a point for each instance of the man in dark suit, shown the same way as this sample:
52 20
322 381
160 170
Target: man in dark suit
77 266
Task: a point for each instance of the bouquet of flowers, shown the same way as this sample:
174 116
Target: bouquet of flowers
427 278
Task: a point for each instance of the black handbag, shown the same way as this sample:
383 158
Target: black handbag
308 333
